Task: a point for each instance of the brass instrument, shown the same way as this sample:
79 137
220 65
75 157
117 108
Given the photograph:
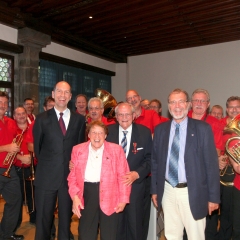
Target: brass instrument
234 127
109 102
233 151
31 178
9 159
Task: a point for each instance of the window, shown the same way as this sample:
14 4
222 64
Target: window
81 81
6 79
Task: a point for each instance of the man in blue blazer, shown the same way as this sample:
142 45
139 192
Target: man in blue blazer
184 166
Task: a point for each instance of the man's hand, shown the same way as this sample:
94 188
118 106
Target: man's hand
212 207
120 207
154 199
71 165
236 166
77 206
25 159
12 148
222 161
130 177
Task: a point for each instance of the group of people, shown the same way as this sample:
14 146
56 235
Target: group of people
106 171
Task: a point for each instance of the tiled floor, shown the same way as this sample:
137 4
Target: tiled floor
28 230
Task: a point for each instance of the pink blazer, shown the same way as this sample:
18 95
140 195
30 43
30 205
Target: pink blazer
114 166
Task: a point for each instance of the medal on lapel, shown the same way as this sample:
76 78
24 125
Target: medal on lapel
134 148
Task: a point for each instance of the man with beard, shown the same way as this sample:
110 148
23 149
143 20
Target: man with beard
150 119
200 103
28 104
185 177
229 207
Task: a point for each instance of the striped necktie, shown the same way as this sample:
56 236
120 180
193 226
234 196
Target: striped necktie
173 159
124 141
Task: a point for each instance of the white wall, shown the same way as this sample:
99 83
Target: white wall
214 67
8 34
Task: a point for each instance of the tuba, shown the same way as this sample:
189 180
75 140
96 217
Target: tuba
233 127
109 102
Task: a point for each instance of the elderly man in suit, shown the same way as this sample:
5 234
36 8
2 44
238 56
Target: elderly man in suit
136 141
55 132
185 175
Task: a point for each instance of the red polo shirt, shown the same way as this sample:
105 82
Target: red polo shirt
105 121
7 133
148 118
216 128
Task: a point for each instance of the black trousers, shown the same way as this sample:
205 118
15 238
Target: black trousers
45 206
146 208
226 213
236 214
10 190
130 225
92 216
24 173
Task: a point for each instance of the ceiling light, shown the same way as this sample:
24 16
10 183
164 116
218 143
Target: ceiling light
90 17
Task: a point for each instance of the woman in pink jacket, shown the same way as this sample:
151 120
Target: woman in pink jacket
96 184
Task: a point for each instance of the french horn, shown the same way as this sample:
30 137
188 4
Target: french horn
233 151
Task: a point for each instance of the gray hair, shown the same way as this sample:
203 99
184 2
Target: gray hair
95 99
124 104
201 90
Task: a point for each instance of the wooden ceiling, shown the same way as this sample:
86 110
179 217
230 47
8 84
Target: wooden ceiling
121 28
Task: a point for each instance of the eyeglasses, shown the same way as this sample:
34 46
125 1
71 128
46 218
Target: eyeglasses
127 115
180 102
232 107
94 108
199 101
130 98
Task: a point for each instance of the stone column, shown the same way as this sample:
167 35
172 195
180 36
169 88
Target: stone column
28 84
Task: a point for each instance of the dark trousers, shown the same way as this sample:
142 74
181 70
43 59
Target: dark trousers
24 173
226 213
45 206
236 214
146 208
130 224
92 216
211 232
10 190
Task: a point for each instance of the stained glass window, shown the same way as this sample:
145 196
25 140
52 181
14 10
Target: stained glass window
6 79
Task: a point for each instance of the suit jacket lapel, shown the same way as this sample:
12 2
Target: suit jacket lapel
72 120
191 132
54 121
165 137
134 139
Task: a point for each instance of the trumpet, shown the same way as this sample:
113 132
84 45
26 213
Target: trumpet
9 159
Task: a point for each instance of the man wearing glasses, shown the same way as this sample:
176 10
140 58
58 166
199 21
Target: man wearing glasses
184 166
96 109
200 103
136 141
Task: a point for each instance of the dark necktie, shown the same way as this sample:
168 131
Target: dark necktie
61 123
173 159
124 141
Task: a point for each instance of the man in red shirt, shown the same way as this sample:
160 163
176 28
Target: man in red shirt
217 112
23 164
230 203
156 105
96 109
81 104
9 187
28 104
150 119
200 101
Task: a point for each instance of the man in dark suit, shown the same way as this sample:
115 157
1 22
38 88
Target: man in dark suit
137 148
185 175
55 131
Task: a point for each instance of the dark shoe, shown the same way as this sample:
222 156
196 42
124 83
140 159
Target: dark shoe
71 236
53 236
16 237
